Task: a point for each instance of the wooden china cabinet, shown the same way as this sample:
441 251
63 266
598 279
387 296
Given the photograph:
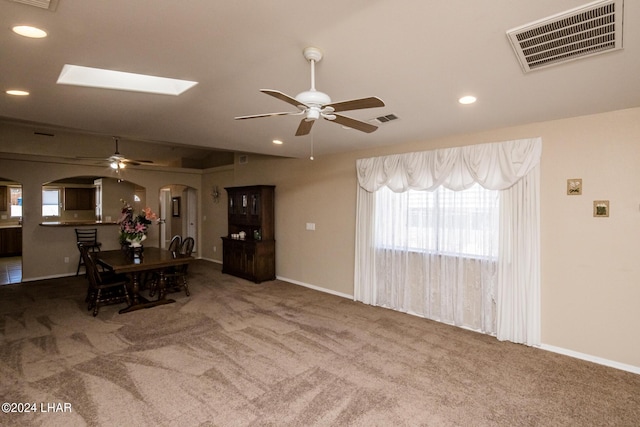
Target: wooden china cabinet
249 250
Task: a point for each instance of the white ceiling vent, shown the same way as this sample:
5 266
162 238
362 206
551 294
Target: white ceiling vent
385 119
588 30
43 4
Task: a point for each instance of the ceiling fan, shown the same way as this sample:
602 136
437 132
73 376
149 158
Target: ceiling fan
313 104
117 161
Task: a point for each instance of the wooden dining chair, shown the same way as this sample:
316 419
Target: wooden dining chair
176 277
89 239
104 288
176 242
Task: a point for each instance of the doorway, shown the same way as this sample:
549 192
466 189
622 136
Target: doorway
11 229
178 209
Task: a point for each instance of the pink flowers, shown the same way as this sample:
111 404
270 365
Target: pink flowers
135 226
149 214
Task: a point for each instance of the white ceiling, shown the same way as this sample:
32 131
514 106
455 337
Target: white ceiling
418 56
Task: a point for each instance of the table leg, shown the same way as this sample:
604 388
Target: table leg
135 288
162 285
139 302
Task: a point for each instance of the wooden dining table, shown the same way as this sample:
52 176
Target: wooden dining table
150 260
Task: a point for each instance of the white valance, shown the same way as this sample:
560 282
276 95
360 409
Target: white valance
495 166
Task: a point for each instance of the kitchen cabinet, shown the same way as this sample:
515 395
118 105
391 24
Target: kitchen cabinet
10 241
79 199
3 198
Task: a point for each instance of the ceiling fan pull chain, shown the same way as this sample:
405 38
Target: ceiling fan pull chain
311 156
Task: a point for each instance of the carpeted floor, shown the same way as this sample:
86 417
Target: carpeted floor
239 354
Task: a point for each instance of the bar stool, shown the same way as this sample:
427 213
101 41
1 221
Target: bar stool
88 237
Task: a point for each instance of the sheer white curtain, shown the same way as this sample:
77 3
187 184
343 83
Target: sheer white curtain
512 168
436 254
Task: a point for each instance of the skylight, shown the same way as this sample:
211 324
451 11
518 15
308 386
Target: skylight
107 79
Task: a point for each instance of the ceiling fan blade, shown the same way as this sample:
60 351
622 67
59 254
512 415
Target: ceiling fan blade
254 116
283 97
356 104
137 162
304 127
354 124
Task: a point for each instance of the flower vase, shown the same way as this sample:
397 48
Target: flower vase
135 245
136 242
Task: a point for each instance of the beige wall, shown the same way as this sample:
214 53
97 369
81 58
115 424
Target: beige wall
590 268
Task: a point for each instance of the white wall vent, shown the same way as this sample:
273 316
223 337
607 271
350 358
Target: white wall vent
44 4
588 30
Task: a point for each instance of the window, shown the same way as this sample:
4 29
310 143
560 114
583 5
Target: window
51 202
16 201
457 223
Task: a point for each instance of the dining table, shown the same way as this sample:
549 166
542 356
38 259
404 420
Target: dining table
149 260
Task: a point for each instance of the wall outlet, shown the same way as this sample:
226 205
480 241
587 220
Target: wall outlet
66 260
215 249
311 226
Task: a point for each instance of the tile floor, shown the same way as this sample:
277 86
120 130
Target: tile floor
10 270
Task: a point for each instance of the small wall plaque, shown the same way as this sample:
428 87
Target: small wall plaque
600 208
574 187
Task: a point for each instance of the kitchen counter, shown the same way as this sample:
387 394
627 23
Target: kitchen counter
10 226
75 223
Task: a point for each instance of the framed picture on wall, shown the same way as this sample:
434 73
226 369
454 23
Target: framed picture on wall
600 208
175 206
574 187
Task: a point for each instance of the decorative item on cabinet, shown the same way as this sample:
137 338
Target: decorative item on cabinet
249 247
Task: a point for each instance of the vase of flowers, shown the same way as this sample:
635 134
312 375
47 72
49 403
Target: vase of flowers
134 227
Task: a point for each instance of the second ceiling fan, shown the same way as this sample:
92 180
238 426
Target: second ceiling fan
313 104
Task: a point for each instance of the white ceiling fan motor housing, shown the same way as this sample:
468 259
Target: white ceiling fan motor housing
313 97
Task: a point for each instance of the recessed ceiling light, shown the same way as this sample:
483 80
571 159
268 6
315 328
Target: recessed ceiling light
16 92
107 79
28 31
467 99
277 142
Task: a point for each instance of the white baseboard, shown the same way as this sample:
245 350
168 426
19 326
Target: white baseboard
317 288
590 358
55 276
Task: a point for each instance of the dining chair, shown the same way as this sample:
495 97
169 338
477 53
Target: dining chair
176 278
176 242
89 239
104 288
